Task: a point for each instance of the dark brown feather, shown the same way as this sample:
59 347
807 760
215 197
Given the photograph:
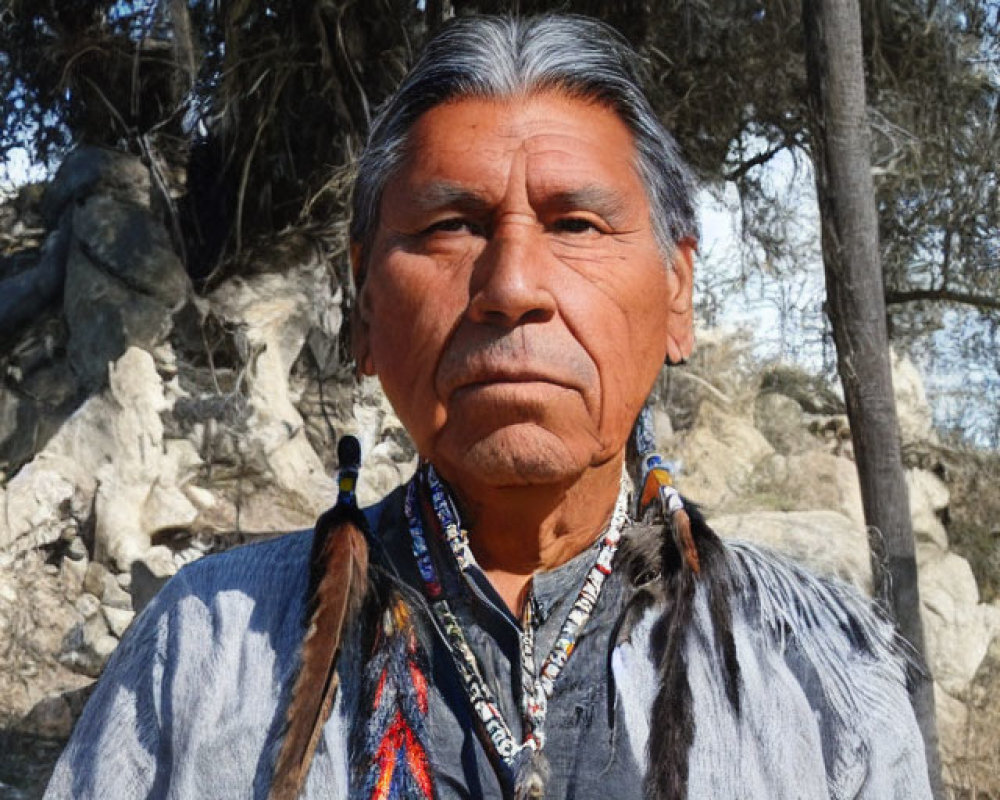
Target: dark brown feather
338 583
680 524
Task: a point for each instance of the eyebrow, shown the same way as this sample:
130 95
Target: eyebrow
606 202
444 194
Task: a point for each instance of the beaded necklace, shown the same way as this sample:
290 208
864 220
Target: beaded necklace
536 686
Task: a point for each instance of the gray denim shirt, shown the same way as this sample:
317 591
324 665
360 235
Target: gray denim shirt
191 704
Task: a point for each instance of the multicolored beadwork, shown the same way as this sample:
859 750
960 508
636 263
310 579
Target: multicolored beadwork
396 732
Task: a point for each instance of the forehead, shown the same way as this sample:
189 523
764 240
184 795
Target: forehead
560 142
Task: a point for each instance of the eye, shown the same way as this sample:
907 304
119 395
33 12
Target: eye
454 225
576 225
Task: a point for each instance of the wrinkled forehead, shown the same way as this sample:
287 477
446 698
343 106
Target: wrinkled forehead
574 151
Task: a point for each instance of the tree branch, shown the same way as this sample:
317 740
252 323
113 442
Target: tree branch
942 295
744 167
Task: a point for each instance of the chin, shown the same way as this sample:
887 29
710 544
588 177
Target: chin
518 455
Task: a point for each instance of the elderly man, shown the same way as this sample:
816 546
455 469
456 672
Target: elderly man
523 237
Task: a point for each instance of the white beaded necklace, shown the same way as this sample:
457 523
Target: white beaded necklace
536 686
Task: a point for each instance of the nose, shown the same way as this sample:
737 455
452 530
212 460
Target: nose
510 280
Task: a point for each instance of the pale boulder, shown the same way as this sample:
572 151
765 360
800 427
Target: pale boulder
113 448
952 724
958 628
916 423
138 490
273 315
107 458
117 619
780 419
88 646
817 479
664 429
113 595
928 497
167 505
977 746
93 581
87 604
719 455
200 497
386 468
388 455
33 507
72 572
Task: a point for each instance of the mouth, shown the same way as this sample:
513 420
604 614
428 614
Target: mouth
512 364
505 379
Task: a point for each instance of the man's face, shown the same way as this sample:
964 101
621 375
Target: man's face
515 305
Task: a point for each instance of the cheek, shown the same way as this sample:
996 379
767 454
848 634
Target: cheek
409 298
413 306
623 327
649 319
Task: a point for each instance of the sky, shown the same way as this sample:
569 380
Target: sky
738 286
16 169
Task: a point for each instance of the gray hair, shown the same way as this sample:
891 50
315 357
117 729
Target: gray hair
488 56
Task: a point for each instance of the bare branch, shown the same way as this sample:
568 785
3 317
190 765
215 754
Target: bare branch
942 295
761 158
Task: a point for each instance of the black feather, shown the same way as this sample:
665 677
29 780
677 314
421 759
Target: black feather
673 717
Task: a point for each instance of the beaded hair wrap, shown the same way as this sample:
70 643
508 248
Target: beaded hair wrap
657 482
524 761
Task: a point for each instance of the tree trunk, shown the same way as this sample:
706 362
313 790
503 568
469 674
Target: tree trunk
184 48
857 313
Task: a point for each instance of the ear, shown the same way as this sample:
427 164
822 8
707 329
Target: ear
360 316
680 324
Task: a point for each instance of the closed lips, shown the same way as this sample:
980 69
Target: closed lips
514 361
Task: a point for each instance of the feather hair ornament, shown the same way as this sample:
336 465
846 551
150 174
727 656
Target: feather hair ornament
691 558
338 582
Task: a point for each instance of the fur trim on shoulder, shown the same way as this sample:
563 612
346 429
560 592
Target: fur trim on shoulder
834 628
